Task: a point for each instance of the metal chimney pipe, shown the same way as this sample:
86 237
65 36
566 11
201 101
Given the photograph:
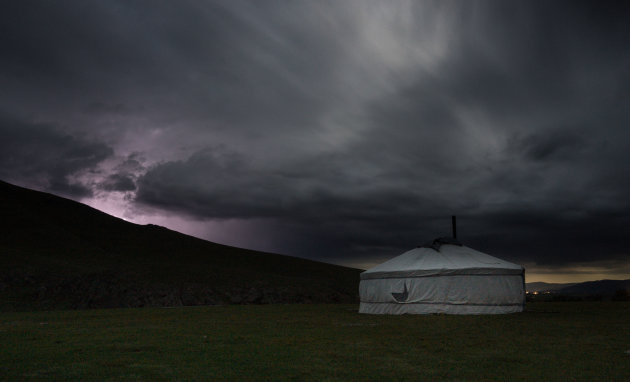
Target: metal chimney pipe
454 220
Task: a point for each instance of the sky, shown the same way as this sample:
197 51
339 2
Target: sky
341 131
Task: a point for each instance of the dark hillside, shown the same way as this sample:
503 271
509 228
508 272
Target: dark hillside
599 287
57 253
540 286
616 290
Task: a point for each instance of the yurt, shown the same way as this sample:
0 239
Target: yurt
443 276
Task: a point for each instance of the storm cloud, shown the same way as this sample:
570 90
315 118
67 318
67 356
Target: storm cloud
47 157
341 131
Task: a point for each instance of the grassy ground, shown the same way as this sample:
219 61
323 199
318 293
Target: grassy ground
550 341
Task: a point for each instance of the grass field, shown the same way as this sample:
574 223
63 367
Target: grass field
550 341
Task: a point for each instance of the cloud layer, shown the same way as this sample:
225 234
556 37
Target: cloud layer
342 131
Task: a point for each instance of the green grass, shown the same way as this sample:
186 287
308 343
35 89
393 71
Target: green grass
550 341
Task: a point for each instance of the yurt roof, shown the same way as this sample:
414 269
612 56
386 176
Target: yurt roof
443 256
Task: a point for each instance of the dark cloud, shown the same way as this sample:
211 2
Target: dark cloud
39 155
118 182
344 130
551 145
354 213
104 108
123 176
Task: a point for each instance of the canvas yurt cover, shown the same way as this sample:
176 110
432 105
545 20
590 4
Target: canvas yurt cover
443 277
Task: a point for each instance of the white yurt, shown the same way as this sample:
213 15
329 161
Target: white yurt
443 276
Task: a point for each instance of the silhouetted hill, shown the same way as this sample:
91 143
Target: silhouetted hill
540 286
589 290
57 253
600 287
